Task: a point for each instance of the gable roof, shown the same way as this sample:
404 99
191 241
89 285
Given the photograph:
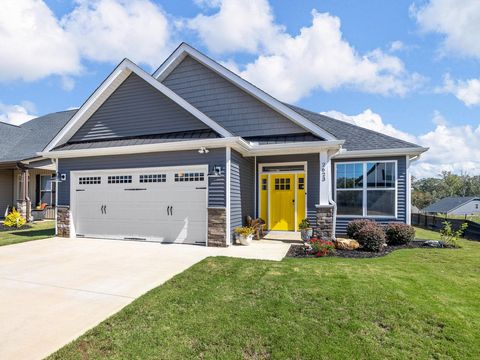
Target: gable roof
355 136
109 85
186 50
448 204
25 141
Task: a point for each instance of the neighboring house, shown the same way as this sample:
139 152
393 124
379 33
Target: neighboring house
19 146
185 154
469 205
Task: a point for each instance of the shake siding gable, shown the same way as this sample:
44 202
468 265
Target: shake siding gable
136 108
234 109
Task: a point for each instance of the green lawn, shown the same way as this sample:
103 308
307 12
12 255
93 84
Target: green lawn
410 304
424 234
39 230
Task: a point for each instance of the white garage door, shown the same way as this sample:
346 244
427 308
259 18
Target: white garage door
161 204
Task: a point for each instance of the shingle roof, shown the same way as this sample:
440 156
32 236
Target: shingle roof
24 141
141 140
449 203
356 137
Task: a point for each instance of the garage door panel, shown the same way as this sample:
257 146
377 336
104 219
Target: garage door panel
148 204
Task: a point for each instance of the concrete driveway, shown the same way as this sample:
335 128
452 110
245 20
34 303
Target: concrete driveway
52 291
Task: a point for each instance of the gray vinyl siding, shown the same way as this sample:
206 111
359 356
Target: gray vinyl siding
216 193
242 189
313 177
342 222
136 108
6 190
225 103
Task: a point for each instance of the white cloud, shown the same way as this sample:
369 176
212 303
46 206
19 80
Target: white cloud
467 91
452 148
372 121
455 149
33 44
291 67
16 114
458 21
396 46
110 30
238 25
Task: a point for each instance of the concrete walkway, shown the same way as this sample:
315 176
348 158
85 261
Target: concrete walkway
52 291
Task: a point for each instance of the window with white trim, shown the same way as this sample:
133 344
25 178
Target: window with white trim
374 197
46 189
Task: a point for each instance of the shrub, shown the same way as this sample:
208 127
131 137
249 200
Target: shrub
450 237
14 220
371 237
304 224
354 226
244 231
322 247
399 234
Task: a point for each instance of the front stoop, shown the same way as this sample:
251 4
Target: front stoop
325 214
217 227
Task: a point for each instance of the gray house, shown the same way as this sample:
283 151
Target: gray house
185 154
26 178
466 205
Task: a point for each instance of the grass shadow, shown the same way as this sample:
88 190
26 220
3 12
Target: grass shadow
34 233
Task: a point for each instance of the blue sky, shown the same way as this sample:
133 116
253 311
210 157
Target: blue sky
406 68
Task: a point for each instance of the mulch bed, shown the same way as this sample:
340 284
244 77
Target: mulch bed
298 251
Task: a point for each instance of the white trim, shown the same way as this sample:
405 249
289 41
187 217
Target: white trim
116 78
295 174
345 154
237 143
409 191
228 194
365 189
255 210
184 49
55 161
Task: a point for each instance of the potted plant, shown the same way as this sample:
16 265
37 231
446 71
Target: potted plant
244 234
306 231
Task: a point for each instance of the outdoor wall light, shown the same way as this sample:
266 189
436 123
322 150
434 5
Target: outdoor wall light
203 150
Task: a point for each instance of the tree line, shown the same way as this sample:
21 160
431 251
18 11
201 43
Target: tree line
428 190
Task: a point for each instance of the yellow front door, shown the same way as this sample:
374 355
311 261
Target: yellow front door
282 202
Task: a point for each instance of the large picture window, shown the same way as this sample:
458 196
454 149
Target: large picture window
366 188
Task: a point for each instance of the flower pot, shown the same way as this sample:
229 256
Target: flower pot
306 234
245 240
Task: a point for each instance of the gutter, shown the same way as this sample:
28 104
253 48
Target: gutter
413 151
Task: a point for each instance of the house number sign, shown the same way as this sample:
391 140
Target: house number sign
323 171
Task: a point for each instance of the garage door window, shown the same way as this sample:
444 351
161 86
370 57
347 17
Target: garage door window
89 180
179 177
120 179
153 178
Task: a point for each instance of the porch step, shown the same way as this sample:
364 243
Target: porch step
285 236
